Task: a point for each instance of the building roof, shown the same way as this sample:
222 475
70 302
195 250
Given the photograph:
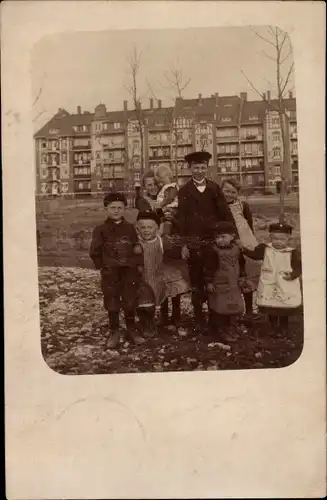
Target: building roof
223 110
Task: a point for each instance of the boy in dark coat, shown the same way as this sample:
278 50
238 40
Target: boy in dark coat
116 253
201 204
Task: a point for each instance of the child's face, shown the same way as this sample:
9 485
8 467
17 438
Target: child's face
224 240
230 192
199 170
280 240
115 210
148 229
163 177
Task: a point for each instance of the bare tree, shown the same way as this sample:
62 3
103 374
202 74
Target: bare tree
134 64
279 44
177 83
36 99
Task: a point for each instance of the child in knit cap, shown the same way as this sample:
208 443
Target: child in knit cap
223 267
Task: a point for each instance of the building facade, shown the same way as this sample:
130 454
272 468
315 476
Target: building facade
85 153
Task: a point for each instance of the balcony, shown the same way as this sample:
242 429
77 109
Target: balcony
84 147
83 163
155 142
227 138
107 147
113 161
159 158
253 138
251 153
234 154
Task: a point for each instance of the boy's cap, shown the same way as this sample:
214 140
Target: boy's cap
278 227
224 227
149 215
111 197
198 157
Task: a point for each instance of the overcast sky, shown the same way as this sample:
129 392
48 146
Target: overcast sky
87 68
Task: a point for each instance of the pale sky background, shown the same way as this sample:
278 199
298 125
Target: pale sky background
86 68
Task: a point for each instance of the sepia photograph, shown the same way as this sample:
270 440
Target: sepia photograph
167 200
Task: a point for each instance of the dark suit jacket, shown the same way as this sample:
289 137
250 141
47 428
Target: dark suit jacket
198 212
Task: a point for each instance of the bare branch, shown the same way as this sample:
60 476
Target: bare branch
39 92
262 37
253 87
38 115
267 56
286 57
288 76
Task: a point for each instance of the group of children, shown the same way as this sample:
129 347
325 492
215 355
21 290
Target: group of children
145 265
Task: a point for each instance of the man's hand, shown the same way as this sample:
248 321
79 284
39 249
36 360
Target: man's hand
237 242
185 252
210 287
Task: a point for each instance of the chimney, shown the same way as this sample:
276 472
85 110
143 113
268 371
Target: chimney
264 96
159 103
217 97
200 99
79 110
244 96
151 103
125 105
290 95
268 96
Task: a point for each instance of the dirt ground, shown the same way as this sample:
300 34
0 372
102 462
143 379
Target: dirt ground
74 325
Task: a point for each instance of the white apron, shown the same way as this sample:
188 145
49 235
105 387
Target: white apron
273 290
246 235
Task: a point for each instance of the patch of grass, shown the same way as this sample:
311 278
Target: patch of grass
66 226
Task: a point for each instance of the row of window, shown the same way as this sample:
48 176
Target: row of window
82 171
81 128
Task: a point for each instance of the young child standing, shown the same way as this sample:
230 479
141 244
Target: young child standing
244 222
115 252
279 290
161 272
148 223
223 268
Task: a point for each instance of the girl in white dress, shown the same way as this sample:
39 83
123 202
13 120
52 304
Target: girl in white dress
279 290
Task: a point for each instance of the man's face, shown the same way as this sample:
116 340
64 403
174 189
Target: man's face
115 210
150 186
199 170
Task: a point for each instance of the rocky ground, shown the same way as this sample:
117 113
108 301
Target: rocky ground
74 330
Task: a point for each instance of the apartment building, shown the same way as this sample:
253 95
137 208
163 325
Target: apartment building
88 153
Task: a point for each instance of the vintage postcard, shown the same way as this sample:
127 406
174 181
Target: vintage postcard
163 169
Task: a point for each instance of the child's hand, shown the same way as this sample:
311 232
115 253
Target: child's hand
239 244
210 288
185 252
288 276
137 249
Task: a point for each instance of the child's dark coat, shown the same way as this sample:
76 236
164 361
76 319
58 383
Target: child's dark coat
112 251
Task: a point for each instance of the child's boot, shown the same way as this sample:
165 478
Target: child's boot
131 329
164 317
114 336
283 326
176 310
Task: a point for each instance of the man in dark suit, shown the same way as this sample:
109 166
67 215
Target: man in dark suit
201 204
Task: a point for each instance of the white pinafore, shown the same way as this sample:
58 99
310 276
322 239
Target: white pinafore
273 290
